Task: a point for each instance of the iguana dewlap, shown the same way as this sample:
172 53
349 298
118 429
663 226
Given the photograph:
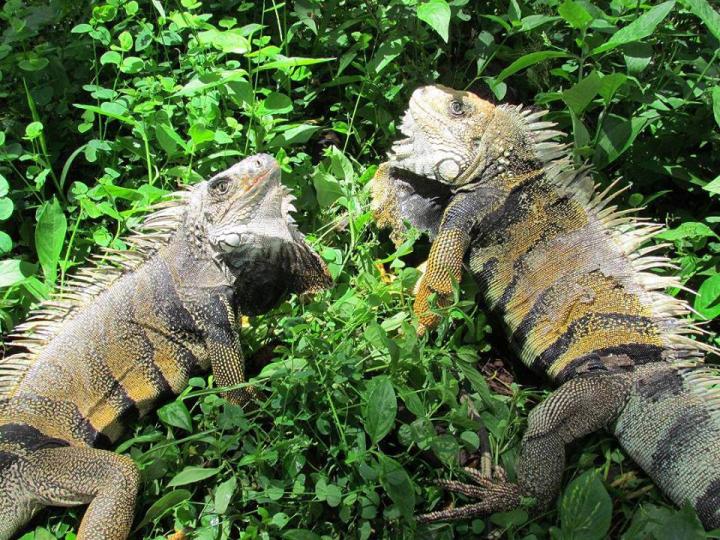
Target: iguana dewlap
568 274
130 331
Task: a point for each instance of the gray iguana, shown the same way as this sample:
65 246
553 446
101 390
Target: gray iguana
568 273
124 334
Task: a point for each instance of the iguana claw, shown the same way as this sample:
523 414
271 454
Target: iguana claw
496 495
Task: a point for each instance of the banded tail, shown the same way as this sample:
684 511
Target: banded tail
671 428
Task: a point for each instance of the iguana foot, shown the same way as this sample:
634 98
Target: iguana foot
496 495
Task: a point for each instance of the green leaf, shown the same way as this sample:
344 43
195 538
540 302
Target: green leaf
379 407
716 103
14 271
327 188
640 28
4 185
164 504
176 414
610 84
707 301
223 495
713 186
192 474
616 136
6 208
397 484
50 236
703 10
582 93
33 130
132 64
385 54
276 103
685 231
111 57
6 243
437 14
585 508
207 81
527 61
652 522
293 134
637 57
575 15
126 40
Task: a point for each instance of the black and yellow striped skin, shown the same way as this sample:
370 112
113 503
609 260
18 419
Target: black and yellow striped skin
540 271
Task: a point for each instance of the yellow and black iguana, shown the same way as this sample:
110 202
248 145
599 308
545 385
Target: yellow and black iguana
124 334
568 274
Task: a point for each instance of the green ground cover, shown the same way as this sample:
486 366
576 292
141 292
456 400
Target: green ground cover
108 105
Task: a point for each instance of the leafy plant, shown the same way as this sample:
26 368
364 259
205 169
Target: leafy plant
109 104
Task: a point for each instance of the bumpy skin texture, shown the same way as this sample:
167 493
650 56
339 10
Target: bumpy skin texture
567 273
121 338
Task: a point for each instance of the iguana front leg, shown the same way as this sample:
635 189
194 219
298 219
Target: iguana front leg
579 407
444 265
226 358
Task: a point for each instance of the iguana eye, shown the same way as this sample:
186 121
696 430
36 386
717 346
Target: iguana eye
456 108
220 186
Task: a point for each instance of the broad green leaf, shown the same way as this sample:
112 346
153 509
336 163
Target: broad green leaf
176 414
14 271
385 54
706 13
527 61
4 186
228 41
164 504
687 230
638 29
585 508
285 63
33 130
610 84
207 81
579 96
616 136
192 474
446 448
111 57
50 236
294 134
299 534
276 103
437 14
5 243
132 64
126 41
707 301
379 407
656 522
716 103
637 56
109 113
713 186
575 14
397 484
223 494
6 208
327 188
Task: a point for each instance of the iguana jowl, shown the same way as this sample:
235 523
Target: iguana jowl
131 330
568 274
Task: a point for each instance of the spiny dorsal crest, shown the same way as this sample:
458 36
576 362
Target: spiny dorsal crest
45 322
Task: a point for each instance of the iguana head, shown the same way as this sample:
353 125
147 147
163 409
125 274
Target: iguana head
456 138
242 215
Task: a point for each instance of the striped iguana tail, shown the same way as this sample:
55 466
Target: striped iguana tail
671 427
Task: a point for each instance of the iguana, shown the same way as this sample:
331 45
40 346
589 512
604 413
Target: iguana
570 276
127 332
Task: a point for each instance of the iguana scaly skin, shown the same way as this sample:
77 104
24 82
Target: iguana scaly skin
131 330
568 274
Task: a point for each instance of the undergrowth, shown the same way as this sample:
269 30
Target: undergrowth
108 105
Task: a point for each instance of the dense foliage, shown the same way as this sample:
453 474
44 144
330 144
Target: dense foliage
108 105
